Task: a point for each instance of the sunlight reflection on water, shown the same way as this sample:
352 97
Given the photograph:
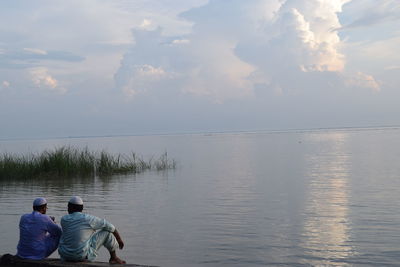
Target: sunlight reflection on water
326 224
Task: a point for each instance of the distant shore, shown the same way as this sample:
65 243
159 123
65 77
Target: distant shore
208 133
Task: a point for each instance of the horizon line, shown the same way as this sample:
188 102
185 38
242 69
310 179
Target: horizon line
271 131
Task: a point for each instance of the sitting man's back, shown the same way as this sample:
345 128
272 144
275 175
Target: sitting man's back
80 239
39 234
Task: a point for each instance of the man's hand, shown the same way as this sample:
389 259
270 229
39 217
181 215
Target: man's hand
119 239
120 243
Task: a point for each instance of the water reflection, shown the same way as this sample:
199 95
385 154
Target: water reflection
326 226
230 207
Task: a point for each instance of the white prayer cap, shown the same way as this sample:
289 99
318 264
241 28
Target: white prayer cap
39 201
76 200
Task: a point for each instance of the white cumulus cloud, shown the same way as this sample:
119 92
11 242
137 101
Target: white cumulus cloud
299 36
42 79
146 24
362 80
235 45
5 84
139 78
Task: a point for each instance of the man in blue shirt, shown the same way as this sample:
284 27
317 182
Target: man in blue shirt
38 233
84 234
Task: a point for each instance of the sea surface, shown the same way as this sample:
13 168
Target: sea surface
295 198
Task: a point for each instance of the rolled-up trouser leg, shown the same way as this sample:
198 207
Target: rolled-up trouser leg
103 238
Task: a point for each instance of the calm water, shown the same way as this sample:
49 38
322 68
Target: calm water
289 199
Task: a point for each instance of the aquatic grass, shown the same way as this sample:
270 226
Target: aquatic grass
71 162
164 163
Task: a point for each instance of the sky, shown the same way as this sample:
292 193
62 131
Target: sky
128 67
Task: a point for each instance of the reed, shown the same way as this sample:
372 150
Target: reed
71 162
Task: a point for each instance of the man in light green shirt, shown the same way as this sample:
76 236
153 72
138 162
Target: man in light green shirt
84 234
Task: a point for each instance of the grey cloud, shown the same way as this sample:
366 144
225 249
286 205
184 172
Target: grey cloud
150 49
378 12
26 58
29 54
61 56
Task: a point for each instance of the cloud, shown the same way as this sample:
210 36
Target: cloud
362 80
138 78
151 14
35 51
30 57
377 57
237 45
393 67
299 36
374 12
195 66
146 24
180 41
5 84
42 79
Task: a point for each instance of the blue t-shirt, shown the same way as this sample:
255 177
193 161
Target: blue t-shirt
34 230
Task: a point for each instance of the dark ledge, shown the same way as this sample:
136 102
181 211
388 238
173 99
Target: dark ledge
8 260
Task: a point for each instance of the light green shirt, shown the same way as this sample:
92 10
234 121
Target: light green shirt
78 228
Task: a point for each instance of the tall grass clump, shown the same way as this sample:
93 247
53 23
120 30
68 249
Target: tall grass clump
164 163
72 162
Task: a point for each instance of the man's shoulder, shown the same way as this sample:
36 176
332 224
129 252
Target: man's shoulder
92 217
66 217
43 217
74 216
35 217
31 215
26 215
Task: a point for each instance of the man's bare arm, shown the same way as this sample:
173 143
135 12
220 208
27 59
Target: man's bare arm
119 239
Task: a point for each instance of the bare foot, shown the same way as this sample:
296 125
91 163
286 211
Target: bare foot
116 260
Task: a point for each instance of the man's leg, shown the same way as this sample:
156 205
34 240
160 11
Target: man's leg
51 244
106 239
